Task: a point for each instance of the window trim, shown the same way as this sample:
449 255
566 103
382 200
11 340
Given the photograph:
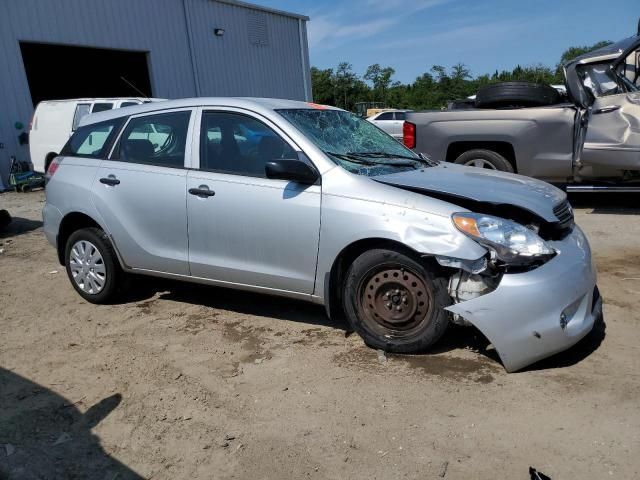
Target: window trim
241 112
113 155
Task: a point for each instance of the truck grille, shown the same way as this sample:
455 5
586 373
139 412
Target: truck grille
564 214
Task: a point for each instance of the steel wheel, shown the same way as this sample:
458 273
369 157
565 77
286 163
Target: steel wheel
87 267
480 163
395 301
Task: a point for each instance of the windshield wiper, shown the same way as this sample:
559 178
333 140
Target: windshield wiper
355 157
351 158
420 158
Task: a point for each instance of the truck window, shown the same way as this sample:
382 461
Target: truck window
128 104
92 141
385 116
82 110
101 107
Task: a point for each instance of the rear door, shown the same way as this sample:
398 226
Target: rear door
140 192
244 228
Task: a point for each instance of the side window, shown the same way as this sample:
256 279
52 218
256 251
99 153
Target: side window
385 116
239 144
128 104
92 140
400 115
101 107
82 110
155 139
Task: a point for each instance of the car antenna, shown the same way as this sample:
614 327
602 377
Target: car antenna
134 87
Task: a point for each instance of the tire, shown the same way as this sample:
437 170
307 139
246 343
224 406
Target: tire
516 94
48 160
484 159
377 273
104 286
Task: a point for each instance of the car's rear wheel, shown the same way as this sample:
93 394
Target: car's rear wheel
394 302
92 265
482 158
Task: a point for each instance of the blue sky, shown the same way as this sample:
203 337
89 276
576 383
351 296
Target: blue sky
412 35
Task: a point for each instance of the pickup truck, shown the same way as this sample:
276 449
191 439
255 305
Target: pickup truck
587 140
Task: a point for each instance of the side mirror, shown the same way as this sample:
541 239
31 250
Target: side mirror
294 170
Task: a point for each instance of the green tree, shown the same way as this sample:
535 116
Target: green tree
380 79
433 89
322 84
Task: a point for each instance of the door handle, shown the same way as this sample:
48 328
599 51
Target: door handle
202 191
609 109
110 180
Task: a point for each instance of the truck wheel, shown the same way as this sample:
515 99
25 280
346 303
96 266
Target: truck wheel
484 159
394 303
92 265
516 94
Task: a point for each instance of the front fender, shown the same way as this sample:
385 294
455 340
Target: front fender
347 220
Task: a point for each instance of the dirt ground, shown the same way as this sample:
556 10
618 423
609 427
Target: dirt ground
184 381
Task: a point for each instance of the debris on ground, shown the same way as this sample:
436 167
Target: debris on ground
443 470
536 475
382 358
64 437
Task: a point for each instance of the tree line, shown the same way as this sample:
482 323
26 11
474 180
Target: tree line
342 87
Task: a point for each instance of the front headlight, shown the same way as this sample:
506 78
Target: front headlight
513 244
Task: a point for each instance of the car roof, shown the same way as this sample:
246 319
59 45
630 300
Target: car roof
254 104
608 52
102 99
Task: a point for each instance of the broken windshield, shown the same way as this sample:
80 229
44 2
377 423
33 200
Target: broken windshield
353 143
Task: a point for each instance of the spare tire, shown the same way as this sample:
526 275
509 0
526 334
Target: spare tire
517 94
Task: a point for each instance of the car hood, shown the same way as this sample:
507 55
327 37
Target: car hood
481 185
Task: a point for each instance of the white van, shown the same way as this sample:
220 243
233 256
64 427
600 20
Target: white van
54 121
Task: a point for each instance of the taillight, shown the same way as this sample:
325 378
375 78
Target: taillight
53 167
409 134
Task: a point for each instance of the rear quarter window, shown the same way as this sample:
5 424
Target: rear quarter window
93 141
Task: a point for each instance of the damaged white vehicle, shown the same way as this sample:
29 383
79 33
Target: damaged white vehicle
312 202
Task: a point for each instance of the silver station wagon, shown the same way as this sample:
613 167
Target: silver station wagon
311 202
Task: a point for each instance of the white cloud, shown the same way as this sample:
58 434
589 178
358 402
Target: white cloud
363 19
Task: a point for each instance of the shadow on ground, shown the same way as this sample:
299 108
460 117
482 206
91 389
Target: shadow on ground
44 435
279 308
607 203
247 303
19 226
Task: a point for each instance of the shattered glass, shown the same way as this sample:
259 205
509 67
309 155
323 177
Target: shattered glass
352 142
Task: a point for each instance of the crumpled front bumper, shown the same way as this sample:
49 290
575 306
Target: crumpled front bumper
535 314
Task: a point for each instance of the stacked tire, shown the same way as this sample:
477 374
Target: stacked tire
516 94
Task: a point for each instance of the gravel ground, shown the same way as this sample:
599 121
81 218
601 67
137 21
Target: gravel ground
184 381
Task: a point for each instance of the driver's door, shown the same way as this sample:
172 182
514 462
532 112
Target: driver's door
246 229
612 142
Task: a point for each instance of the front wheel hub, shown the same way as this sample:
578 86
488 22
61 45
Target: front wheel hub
396 299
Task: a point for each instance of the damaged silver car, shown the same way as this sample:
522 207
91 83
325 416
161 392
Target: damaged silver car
311 202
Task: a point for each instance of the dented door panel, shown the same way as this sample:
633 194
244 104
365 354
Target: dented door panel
613 136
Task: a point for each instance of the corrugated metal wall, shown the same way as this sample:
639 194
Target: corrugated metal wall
234 64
